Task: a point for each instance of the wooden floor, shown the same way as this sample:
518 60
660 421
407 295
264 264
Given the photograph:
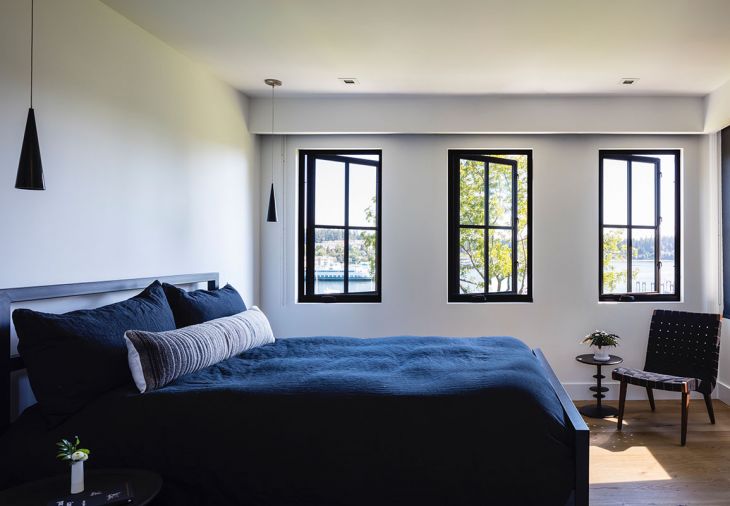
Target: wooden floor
644 464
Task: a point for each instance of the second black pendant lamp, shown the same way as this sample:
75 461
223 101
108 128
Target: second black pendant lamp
271 216
30 167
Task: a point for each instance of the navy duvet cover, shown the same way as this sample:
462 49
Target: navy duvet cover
330 421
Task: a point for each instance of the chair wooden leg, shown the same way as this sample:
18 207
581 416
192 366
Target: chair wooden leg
621 403
685 408
710 410
650 393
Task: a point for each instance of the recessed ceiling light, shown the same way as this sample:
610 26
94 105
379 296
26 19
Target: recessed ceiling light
350 81
629 80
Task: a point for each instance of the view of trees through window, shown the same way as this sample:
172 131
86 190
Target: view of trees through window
639 229
490 225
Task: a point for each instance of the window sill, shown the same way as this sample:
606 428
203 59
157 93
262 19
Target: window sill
489 303
359 300
349 303
642 301
514 299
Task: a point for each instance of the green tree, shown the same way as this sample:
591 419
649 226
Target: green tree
369 238
614 250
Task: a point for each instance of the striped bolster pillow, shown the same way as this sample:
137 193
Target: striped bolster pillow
158 358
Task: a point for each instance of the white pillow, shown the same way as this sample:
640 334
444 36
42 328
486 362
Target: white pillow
158 358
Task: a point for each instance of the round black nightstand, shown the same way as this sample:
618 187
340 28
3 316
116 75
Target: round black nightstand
598 410
145 486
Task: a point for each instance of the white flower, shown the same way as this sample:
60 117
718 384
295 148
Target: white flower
79 456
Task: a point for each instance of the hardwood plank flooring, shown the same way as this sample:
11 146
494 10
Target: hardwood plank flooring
644 464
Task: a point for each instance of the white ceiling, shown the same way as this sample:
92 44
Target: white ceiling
457 47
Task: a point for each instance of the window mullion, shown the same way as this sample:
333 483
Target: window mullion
629 246
514 228
486 227
658 227
346 252
311 164
601 227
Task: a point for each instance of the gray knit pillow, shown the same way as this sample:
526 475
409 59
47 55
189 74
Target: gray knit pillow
158 358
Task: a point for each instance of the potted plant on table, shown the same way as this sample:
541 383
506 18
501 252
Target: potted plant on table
600 341
70 452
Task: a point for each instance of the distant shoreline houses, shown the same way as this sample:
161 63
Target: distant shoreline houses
328 268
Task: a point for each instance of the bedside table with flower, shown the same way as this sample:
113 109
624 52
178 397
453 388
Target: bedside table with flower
143 487
104 487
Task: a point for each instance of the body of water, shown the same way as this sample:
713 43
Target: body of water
338 286
643 281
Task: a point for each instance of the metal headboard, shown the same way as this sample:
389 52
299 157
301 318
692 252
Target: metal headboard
9 364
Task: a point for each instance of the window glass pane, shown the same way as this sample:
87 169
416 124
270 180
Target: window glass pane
329 261
500 260
667 203
471 260
362 195
643 191
471 192
615 191
361 271
643 260
329 205
500 195
614 260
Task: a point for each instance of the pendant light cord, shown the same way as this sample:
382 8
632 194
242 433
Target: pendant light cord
32 27
273 105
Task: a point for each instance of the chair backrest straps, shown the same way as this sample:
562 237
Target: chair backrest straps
685 344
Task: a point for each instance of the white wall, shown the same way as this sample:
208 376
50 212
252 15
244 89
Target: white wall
481 114
714 151
414 234
717 109
149 164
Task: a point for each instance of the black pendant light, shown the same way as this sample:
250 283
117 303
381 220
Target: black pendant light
271 214
30 167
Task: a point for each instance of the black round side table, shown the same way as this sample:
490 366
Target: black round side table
598 410
145 486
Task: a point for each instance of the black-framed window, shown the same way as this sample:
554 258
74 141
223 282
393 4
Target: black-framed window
339 225
490 210
639 225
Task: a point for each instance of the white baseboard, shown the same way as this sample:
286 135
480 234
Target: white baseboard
723 392
580 392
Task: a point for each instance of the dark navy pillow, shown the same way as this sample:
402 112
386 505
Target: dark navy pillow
200 306
74 357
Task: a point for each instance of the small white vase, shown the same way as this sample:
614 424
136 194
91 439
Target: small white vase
77 477
601 354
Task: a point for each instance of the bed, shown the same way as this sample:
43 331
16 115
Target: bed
326 420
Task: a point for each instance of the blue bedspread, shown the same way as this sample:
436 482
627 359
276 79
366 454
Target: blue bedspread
332 420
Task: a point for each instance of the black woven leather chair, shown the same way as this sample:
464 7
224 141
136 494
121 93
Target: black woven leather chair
682 356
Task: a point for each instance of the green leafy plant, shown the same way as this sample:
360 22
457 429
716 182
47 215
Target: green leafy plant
600 338
70 452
